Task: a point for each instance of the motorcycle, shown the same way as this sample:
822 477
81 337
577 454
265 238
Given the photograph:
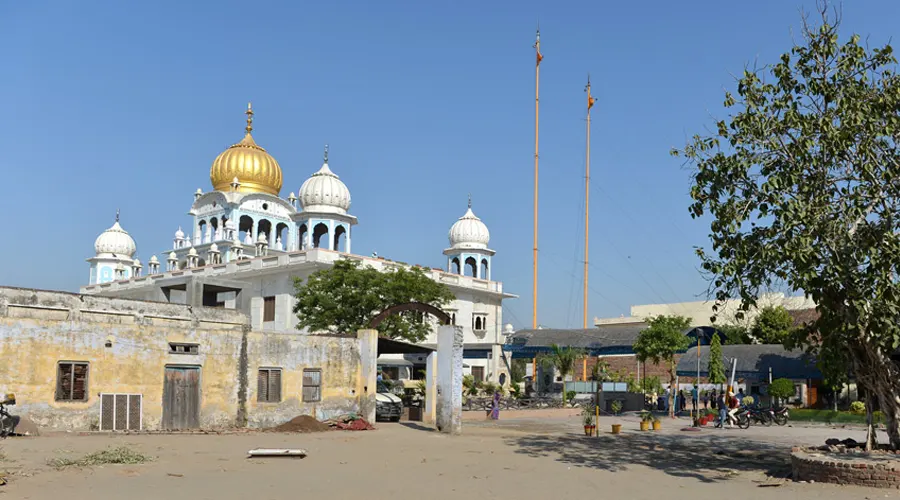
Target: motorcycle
780 415
762 416
741 417
7 421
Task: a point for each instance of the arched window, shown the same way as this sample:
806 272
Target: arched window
318 232
340 244
264 227
281 237
245 229
202 232
303 232
471 267
453 318
454 266
214 229
485 274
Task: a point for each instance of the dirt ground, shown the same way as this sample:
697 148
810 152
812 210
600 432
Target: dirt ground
525 455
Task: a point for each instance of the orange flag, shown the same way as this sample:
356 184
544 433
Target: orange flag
539 57
591 101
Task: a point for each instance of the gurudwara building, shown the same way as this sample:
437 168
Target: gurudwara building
247 244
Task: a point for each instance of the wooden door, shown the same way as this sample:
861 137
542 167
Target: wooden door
181 398
812 396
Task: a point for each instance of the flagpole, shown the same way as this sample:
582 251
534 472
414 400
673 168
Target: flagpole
534 269
587 194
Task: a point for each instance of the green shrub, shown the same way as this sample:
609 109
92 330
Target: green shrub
570 395
616 407
857 408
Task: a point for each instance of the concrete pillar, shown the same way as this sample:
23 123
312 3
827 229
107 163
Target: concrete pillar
348 238
449 383
368 364
496 362
430 416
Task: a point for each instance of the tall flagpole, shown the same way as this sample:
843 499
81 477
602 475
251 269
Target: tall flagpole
537 80
587 194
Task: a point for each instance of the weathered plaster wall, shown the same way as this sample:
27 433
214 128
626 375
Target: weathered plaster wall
126 343
337 357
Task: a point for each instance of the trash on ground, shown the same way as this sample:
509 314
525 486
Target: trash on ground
274 452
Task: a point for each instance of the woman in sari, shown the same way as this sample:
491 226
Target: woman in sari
495 406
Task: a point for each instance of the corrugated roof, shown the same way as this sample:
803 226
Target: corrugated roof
601 337
753 361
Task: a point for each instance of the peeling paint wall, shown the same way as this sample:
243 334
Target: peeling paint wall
126 344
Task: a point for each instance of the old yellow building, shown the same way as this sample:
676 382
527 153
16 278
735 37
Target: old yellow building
85 362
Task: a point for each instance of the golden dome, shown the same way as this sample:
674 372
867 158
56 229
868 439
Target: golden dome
254 169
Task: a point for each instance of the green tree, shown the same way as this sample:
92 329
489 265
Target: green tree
781 389
801 183
562 359
716 366
772 325
346 296
735 334
663 338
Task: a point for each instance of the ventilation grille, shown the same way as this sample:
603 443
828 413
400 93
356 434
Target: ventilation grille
121 412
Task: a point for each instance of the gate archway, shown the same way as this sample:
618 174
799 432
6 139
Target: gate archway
442 317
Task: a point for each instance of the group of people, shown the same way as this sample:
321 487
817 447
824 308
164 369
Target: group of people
726 402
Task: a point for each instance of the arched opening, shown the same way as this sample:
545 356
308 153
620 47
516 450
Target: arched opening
264 227
478 324
301 245
214 229
201 236
453 319
484 270
245 230
454 266
281 236
318 232
340 244
471 267
201 262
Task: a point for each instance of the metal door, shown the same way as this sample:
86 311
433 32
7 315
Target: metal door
181 398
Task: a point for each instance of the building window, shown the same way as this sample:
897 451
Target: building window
268 309
71 381
478 373
312 385
182 348
268 385
479 323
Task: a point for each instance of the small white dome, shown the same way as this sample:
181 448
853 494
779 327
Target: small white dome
179 235
509 329
237 244
469 232
116 241
192 252
154 260
229 224
136 263
262 238
172 256
325 192
214 248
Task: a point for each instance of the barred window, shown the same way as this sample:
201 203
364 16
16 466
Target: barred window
312 385
71 381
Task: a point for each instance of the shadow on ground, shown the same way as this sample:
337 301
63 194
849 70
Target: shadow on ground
708 458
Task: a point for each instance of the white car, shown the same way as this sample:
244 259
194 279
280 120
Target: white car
388 406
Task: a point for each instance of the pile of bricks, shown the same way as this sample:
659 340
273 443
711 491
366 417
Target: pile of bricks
809 465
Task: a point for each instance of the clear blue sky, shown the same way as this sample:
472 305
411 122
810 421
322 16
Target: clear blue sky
111 104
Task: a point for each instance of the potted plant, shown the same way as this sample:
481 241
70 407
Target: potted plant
657 425
646 418
616 407
587 416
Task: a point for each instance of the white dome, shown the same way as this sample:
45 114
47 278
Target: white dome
154 260
172 256
179 235
325 192
214 248
116 241
262 238
136 263
192 252
469 232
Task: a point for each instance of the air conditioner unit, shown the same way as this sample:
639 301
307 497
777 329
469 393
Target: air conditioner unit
121 412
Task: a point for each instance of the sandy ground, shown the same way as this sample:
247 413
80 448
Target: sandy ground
532 454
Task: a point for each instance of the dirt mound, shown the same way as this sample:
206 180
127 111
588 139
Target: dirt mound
303 423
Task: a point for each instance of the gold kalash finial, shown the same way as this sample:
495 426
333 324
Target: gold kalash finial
249 114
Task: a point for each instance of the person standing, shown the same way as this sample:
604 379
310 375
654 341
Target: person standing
495 406
682 403
695 398
713 398
723 413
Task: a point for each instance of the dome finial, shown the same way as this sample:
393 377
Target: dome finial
470 200
249 114
117 215
326 153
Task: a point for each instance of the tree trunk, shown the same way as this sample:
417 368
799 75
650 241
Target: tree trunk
879 375
673 390
871 437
